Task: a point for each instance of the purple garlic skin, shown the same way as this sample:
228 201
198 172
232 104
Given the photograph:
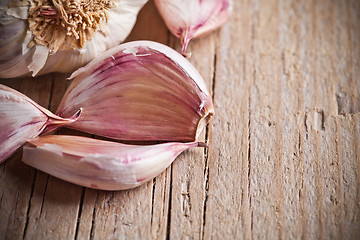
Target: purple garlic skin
194 18
139 91
23 119
101 164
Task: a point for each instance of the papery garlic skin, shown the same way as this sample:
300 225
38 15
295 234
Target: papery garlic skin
188 19
139 91
101 164
13 62
10 35
22 119
38 59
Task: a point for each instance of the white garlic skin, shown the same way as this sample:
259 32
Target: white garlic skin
37 60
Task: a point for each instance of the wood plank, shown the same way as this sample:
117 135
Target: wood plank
189 171
160 205
348 150
329 168
266 186
17 179
122 214
284 155
354 22
292 119
314 216
227 210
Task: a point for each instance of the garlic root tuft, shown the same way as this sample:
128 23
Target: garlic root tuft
66 25
43 36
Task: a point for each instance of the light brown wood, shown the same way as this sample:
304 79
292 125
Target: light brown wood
284 157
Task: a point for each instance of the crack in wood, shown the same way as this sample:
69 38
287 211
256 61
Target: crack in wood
164 193
29 205
168 229
92 229
43 197
319 120
340 179
206 176
185 199
213 80
3 167
78 218
51 92
206 152
254 12
16 203
302 189
299 143
306 125
249 167
302 131
152 202
115 225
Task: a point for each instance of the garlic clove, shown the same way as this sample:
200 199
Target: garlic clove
63 53
139 91
101 164
193 18
21 119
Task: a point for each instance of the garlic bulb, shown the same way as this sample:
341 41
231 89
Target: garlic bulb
139 91
22 119
101 164
42 36
188 19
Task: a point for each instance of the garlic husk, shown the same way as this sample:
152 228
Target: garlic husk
188 19
10 35
139 91
101 164
22 119
27 57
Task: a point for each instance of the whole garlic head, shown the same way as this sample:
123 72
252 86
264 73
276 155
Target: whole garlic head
42 36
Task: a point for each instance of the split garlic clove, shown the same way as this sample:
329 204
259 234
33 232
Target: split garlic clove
139 91
193 19
22 119
61 36
101 164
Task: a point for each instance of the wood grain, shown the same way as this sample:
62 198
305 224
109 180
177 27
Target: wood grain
284 157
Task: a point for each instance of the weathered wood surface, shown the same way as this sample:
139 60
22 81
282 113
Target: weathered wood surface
284 158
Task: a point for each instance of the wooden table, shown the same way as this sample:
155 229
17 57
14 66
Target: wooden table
284 155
